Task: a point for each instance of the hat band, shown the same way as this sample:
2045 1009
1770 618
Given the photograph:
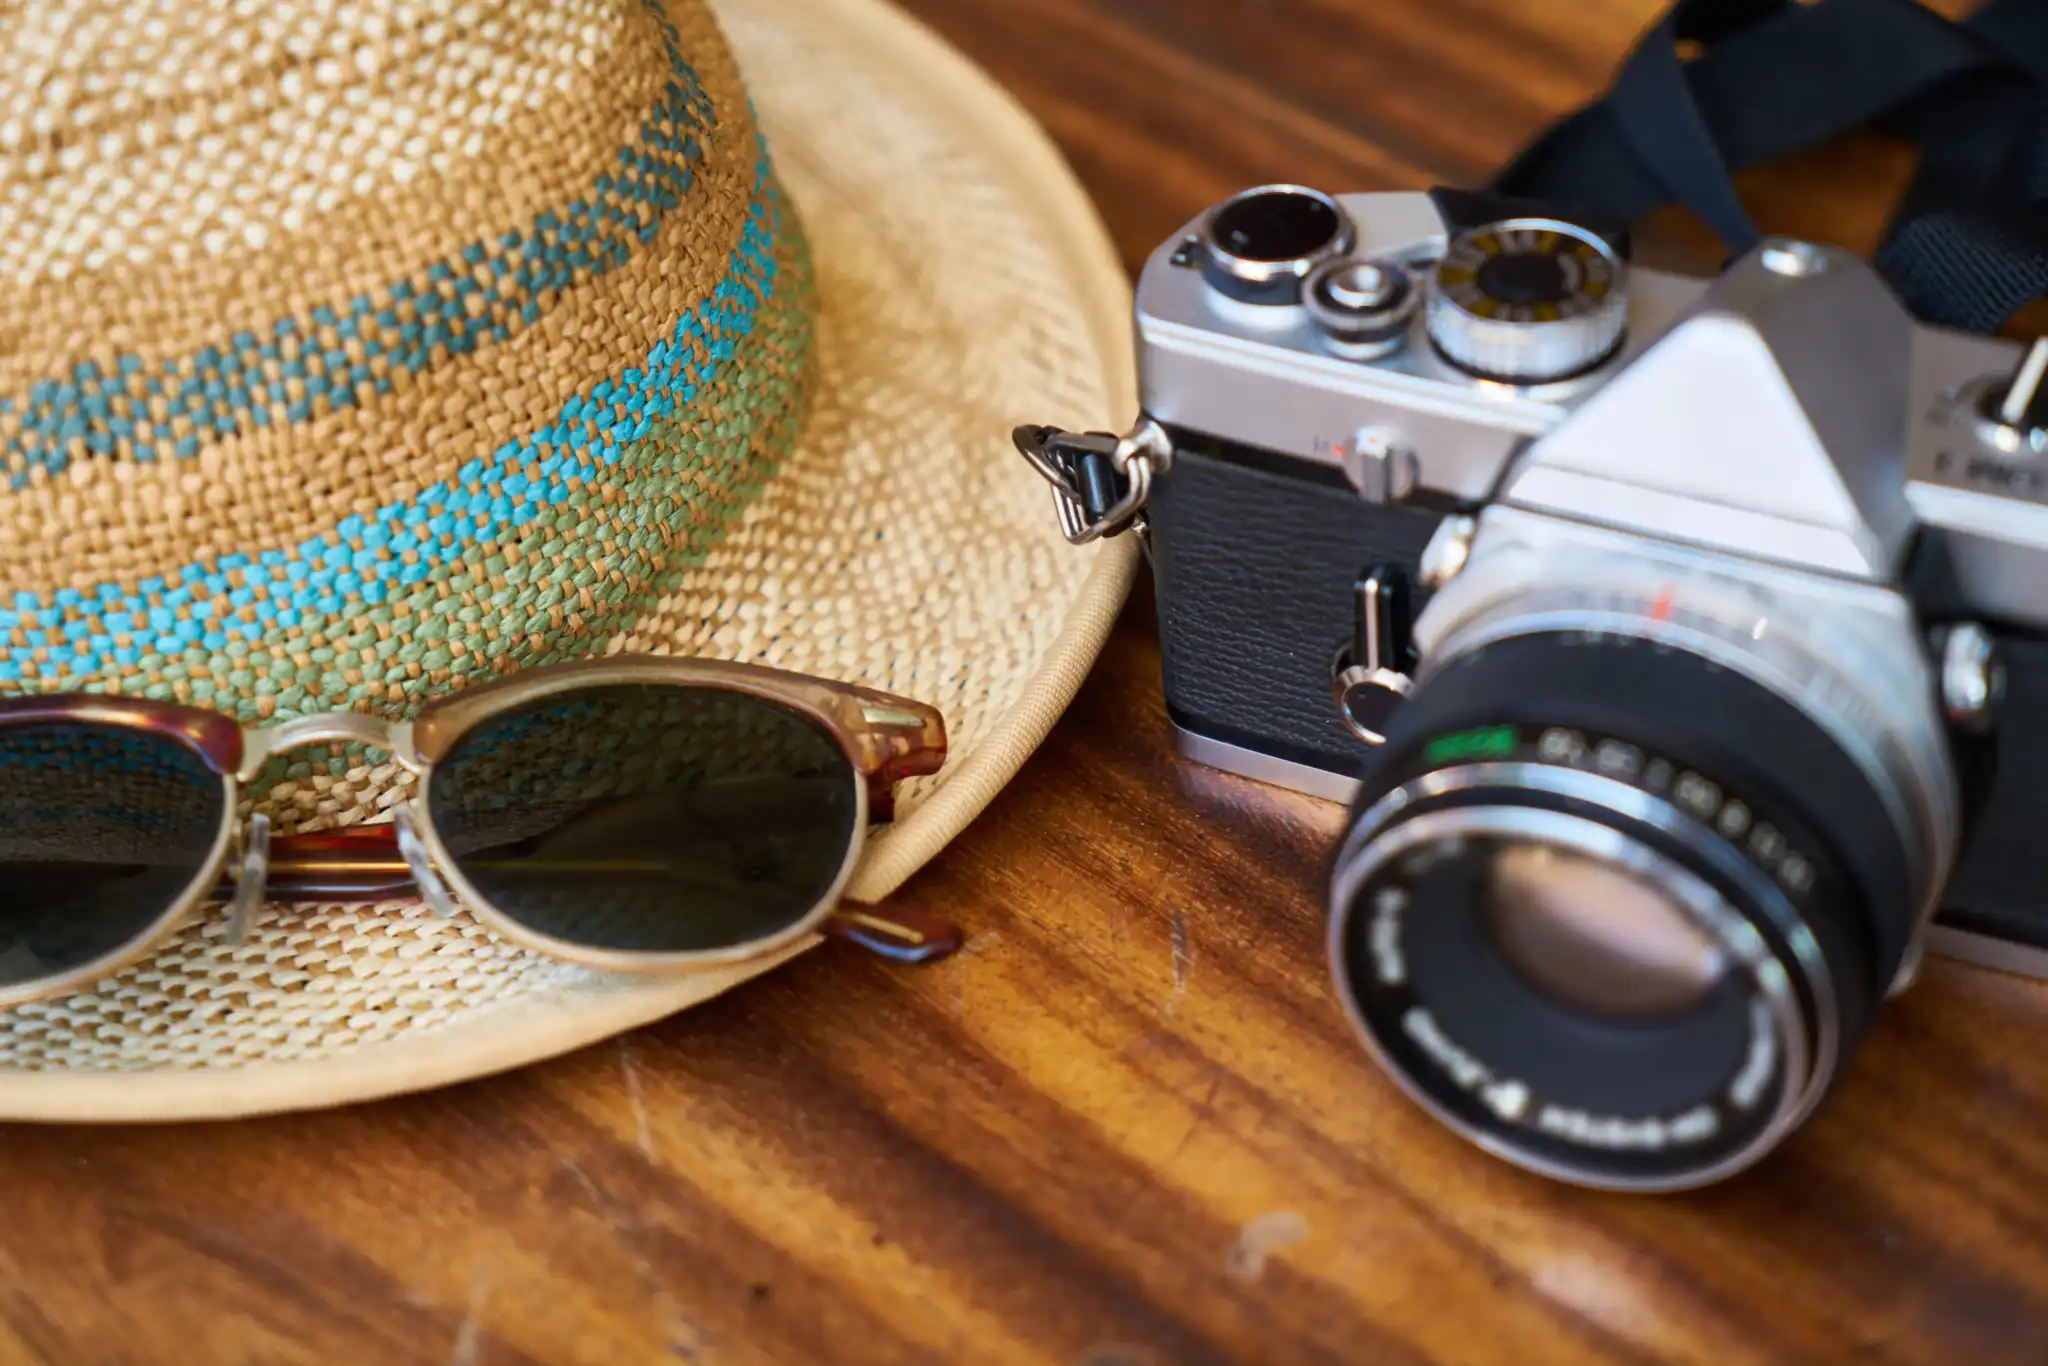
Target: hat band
148 632
333 357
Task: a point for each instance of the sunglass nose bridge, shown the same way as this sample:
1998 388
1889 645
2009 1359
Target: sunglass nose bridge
249 882
420 859
327 727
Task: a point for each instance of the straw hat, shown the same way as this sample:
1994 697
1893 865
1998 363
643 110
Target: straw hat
349 352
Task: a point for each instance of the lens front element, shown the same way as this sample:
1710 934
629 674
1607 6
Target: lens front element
1594 937
648 819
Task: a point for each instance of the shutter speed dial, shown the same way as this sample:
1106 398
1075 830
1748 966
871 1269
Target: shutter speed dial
1528 300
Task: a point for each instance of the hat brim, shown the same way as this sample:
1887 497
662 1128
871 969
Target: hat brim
1004 655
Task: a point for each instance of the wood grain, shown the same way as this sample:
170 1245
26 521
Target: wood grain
1128 1127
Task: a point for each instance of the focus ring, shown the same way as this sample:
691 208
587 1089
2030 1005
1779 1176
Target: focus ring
1721 722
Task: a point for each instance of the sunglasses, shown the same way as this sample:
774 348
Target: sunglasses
631 813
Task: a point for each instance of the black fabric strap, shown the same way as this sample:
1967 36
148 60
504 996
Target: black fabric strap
1718 86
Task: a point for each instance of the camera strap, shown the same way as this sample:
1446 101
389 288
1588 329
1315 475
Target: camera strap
1720 86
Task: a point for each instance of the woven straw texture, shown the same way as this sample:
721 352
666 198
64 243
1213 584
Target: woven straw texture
349 351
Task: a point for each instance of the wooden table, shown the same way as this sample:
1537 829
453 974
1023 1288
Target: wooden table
1129 1127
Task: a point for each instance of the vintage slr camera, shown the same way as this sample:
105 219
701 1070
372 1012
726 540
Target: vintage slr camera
1680 643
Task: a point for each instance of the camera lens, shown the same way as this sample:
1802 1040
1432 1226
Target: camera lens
1259 245
1614 911
1594 937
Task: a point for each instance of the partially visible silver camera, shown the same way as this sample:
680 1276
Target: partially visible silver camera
1680 641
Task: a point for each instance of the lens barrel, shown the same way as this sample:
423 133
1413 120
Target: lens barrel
1615 912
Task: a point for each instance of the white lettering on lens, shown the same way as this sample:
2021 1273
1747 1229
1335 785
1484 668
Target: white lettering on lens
1561 746
1767 844
1749 1083
1617 1132
1796 873
1463 1068
1386 935
1734 822
1508 1099
1657 776
1618 760
1603 1131
1696 1125
1699 794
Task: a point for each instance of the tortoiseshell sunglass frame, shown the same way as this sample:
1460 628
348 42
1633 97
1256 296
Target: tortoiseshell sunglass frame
886 739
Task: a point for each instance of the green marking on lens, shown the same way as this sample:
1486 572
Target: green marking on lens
1489 742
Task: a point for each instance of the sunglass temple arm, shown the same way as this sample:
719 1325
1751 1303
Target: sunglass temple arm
368 863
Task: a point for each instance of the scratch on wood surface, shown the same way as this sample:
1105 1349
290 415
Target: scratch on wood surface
464 1353
1259 1239
644 1133
1202 1111
1183 960
575 1169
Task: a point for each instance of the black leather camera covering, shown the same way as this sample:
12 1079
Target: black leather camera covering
2001 886
1254 556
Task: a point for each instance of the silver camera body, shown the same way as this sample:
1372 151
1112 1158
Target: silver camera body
1786 437
1727 598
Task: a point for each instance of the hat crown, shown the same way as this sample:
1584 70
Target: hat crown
351 349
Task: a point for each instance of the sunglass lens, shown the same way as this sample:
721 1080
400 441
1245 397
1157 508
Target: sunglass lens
103 830
648 818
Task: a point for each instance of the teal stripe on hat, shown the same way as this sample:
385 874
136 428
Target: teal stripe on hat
343 354
368 560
